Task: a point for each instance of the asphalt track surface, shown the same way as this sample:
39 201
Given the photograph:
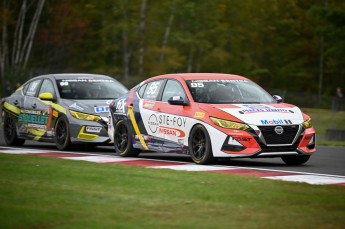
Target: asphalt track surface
328 160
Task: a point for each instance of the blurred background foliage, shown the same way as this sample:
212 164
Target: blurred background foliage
293 47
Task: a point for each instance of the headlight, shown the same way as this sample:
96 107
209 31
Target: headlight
229 124
84 116
307 124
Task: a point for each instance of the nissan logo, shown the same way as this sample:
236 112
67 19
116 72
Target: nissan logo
279 130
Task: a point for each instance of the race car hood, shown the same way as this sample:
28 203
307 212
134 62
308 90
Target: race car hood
264 114
99 107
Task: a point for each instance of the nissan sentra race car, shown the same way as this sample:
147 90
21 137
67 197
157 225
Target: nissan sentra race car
60 108
209 116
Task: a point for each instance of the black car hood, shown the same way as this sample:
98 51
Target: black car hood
99 107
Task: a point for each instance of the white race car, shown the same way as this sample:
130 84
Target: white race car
209 116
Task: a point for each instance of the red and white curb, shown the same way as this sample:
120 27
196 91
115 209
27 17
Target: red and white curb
310 178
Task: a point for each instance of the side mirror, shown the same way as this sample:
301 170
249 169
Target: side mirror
176 100
278 98
46 96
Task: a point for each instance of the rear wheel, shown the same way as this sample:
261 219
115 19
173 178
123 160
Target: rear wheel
10 132
295 160
123 140
62 134
200 145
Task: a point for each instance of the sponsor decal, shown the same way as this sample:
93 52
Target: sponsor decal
218 81
232 141
55 113
64 82
257 108
120 106
93 129
101 109
36 126
33 117
153 123
273 122
287 121
240 139
148 104
165 121
199 114
171 131
75 106
145 137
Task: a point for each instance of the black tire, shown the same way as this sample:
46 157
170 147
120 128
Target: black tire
10 132
123 140
200 147
62 134
295 160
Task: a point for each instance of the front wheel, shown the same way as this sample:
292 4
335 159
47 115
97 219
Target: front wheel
10 132
200 145
62 134
123 140
295 160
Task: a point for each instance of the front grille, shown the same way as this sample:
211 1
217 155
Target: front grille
272 138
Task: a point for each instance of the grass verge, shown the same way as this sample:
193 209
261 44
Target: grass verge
40 192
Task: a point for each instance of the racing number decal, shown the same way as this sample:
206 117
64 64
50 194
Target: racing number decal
197 84
153 88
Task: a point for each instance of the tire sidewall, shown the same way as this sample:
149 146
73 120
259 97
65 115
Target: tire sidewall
129 146
14 140
67 141
208 155
9 141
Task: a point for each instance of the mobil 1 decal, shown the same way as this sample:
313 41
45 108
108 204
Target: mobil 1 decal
167 125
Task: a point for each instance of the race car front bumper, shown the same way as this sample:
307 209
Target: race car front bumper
260 142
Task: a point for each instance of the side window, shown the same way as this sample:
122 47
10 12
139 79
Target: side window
32 88
26 87
47 86
172 88
141 90
152 89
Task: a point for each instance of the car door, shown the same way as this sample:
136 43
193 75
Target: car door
37 112
25 116
164 123
172 118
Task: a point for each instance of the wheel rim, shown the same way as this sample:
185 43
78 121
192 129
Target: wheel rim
199 144
9 128
121 137
61 132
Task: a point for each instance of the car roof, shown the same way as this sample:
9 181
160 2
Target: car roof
72 76
200 76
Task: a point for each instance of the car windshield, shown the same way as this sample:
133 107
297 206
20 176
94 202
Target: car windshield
228 91
87 88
